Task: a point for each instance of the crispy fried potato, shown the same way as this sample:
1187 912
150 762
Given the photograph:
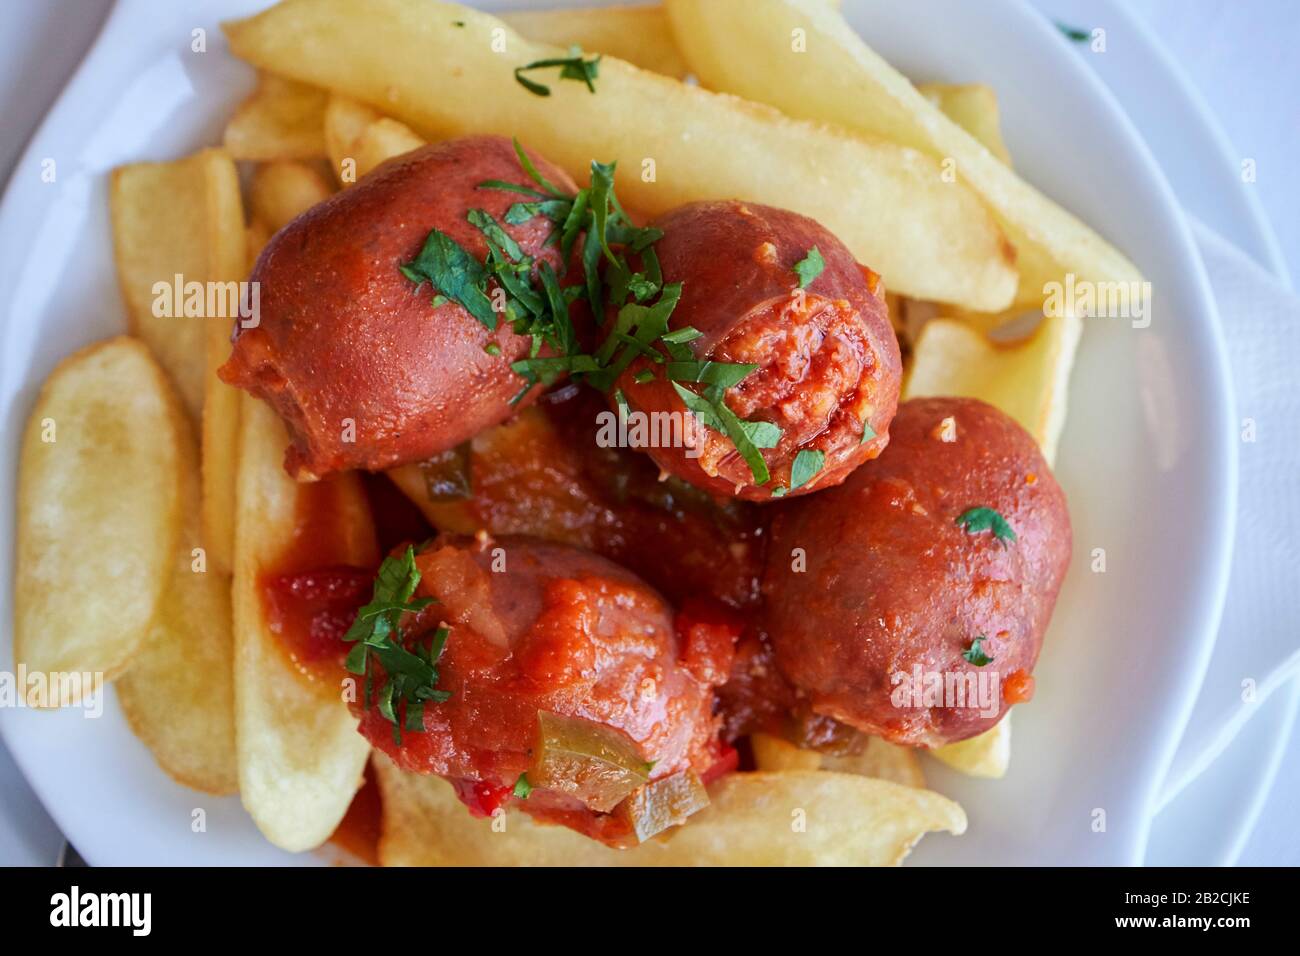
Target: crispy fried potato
878 758
345 120
98 513
928 238
381 141
745 47
227 255
1029 380
178 694
282 191
973 107
755 819
300 756
777 755
986 755
640 35
162 228
283 119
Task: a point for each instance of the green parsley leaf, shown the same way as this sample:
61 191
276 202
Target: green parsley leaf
1073 33
712 412
868 433
722 374
809 267
975 654
572 67
976 520
454 273
522 787
806 465
411 673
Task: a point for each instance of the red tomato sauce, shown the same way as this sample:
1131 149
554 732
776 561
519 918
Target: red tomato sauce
358 832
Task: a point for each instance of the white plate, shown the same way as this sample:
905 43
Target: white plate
1148 458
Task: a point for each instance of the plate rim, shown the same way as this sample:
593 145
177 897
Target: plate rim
1225 478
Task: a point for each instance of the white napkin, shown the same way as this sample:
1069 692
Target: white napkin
1258 649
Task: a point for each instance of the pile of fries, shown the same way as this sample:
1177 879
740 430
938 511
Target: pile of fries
164 487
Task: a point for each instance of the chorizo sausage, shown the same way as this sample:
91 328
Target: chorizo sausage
926 579
367 368
828 364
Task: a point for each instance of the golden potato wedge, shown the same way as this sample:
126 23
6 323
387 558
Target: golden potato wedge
1029 380
98 514
160 217
227 262
778 755
973 107
178 694
878 758
345 120
987 755
640 35
283 119
300 756
929 238
282 191
745 47
381 141
798 818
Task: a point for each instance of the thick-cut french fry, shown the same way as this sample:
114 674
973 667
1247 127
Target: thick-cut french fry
803 58
973 107
987 755
798 818
381 141
878 758
890 204
160 216
345 120
1029 380
98 515
227 255
281 120
282 191
178 694
300 756
641 35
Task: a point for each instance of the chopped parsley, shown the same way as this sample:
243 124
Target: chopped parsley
410 675
522 787
806 465
868 433
975 654
1073 33
977 520
512 286
809 267
572 67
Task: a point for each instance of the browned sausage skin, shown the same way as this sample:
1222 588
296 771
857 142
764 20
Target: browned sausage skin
365 369
828 361
897 587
